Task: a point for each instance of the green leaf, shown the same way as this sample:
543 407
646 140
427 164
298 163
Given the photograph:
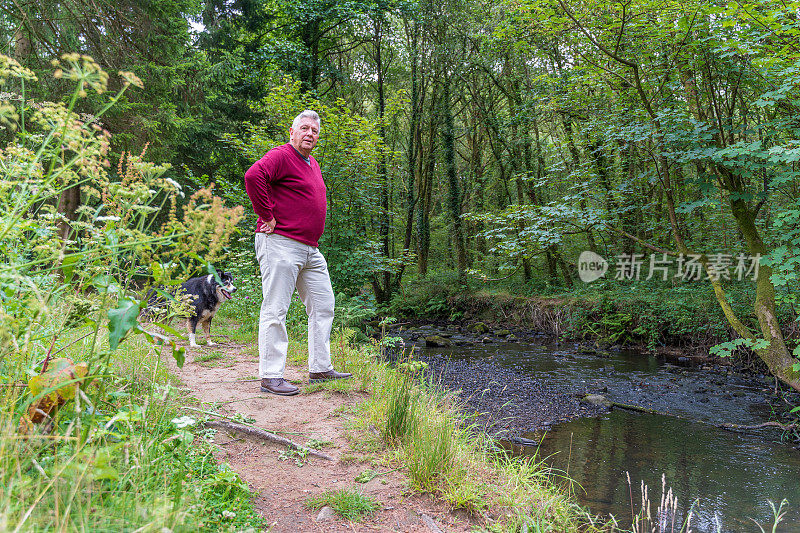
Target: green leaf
179 353
68 266
121 320
169 329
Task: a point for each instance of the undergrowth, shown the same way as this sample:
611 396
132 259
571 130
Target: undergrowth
90 437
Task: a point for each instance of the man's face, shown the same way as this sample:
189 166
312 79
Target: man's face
305 137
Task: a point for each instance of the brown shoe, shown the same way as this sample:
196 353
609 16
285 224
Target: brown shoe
315 377
278 386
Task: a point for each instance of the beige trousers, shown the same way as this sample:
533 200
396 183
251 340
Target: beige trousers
287 264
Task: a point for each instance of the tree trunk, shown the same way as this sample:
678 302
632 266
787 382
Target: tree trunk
68 203
454 196
777 356
424 206
384 278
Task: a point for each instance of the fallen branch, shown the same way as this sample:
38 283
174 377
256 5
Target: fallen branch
239 421
784 427
729 427
630 407
264 435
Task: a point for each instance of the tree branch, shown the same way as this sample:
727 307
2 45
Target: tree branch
264 435
643 242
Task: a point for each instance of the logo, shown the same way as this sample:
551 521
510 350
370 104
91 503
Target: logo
591 266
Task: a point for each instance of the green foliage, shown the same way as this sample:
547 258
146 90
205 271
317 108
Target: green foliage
348 504
413 368
429 296
400 401
431 448
725 349
353 311
97 450
294 454
150 39
652 315
122 319
784 260
140 466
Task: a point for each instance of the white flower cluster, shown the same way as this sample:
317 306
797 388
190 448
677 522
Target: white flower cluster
184 421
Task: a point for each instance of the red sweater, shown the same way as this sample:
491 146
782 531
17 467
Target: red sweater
283 186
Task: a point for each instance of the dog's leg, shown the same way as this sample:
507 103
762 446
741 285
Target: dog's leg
191 325
207 329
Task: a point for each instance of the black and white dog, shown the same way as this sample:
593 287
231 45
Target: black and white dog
201 297
206 295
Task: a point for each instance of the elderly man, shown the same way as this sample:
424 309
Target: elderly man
288 195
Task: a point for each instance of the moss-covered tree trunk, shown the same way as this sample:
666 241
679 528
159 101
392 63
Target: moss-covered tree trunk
776 355
454 192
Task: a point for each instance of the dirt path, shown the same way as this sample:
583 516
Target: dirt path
283 487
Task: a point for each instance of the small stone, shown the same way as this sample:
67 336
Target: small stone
596 399
437 341
479 328
430 523
325 514
503 332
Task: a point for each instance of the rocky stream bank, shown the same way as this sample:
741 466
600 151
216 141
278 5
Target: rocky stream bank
517 382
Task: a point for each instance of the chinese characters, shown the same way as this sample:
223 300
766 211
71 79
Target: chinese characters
719 266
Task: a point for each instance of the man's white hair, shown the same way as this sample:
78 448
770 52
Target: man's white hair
308 113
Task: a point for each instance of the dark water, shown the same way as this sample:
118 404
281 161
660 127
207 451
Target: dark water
727 478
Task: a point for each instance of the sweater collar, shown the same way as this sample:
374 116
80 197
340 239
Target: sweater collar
306 159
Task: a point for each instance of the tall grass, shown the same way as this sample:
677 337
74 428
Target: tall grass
127 462
89 433
425 429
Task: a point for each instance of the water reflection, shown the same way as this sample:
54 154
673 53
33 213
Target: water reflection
729 476
726 476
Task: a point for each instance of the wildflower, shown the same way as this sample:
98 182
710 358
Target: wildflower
228 515
131 79
84 70
10 67
184 421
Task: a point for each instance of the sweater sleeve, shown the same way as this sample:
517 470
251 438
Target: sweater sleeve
256 183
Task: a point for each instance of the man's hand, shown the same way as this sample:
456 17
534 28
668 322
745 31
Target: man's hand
268 226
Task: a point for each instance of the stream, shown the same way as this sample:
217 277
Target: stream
529 392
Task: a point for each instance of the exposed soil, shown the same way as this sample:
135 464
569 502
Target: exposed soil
282 486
